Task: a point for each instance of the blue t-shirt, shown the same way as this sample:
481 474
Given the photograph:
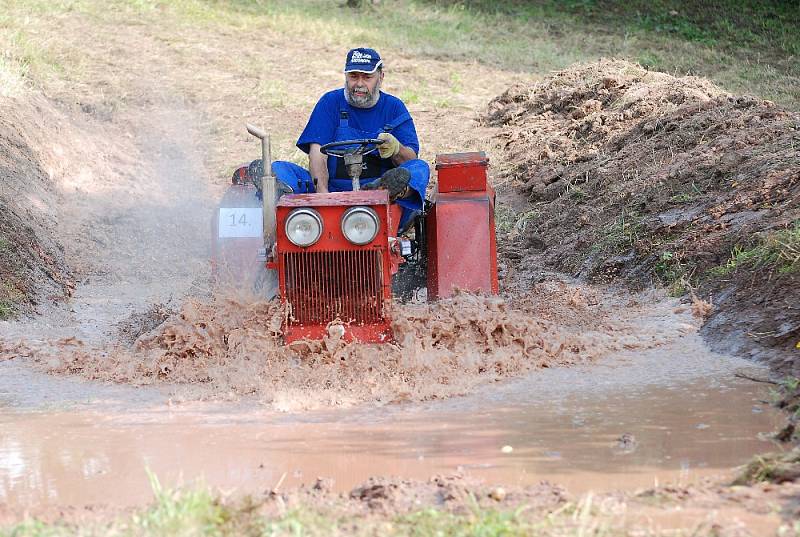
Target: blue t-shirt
325 119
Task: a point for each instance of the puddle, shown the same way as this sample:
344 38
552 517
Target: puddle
600 428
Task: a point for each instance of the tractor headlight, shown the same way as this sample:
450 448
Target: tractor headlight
303 227
360 225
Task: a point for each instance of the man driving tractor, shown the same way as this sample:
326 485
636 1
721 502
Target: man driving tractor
361 111
334 256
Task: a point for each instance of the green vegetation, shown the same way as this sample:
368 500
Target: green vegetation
769 26
10 293
431 522
507 220
773 467
198 511
187 512
674 273
776 252
745 46
195 512
621 234
788 397
7 309
691 194
791 384
272 92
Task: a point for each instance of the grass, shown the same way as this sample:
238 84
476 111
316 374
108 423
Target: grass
772 468
674 273
25 58
621 234
12 76
746 46
198 512
9 294
691 194
767 25
478 522
776 252
7 309
10 287
507 220
181 512
273 93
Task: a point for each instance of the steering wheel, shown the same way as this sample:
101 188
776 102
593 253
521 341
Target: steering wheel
362 146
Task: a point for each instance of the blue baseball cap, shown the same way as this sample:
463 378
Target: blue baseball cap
362 60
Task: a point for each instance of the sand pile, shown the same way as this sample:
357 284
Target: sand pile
654 178
226 348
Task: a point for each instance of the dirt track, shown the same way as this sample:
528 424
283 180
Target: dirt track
116 210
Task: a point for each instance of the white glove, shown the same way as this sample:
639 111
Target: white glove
390 147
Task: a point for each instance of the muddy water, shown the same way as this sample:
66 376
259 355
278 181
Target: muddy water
628 423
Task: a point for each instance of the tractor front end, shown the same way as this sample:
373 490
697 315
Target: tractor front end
335 256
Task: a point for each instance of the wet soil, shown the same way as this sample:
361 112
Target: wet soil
627 175
32 264
229 348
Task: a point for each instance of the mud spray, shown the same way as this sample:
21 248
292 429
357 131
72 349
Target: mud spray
228 348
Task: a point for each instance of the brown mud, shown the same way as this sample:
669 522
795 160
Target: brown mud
631 421
231 348
640 177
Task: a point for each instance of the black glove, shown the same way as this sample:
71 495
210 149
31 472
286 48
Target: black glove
394 180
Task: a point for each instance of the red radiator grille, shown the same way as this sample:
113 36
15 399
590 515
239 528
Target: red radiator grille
323 286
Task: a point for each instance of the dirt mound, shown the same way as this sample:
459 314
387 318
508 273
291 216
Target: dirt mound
32 265
649 178
227 348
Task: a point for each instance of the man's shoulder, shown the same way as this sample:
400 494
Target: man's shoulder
334 96
392 102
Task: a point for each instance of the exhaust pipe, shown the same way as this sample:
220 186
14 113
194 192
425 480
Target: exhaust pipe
267 188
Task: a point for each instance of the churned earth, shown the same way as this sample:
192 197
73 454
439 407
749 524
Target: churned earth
642 177
122 358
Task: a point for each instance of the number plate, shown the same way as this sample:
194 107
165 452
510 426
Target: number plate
240 222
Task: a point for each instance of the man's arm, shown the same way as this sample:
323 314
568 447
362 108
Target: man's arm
404 155
318 166
391 148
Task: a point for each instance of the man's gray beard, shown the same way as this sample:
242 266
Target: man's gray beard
367 101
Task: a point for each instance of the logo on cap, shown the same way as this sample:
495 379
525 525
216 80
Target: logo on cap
359 57
364 60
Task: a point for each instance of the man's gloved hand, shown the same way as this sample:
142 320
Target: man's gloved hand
394 180
390 147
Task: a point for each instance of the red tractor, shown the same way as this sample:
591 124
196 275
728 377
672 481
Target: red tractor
339 258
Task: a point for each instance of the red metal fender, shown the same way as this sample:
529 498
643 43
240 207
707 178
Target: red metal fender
462 248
